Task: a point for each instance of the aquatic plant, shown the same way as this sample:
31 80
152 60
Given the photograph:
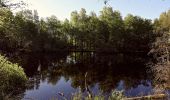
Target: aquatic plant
115 95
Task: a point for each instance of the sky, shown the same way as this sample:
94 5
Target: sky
62 9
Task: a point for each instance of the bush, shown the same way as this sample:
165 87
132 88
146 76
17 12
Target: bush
12 77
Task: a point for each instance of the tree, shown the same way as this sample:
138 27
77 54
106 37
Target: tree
138 33
7 30
160 50
164 21
114 24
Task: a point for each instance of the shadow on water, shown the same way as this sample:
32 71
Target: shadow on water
53 73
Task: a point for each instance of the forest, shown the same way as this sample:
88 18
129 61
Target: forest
108 32
104 33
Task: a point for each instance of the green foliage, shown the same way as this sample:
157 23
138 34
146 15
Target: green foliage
108 32
115 95
138 33
164 21
12 77
25 32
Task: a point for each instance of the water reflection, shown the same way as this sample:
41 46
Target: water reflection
50 74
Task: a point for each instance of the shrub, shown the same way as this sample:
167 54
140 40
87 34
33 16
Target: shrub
12 77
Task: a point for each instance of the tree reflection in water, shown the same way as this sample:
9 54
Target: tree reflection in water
107 72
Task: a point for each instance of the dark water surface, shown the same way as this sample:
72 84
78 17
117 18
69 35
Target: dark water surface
50 74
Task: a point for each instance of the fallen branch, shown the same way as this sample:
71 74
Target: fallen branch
152 97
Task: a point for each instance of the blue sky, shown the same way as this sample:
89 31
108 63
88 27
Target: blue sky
62 8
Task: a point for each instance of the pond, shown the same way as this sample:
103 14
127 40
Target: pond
51 74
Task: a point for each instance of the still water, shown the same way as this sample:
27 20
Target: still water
51 74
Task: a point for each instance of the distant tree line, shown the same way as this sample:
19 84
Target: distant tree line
107 32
